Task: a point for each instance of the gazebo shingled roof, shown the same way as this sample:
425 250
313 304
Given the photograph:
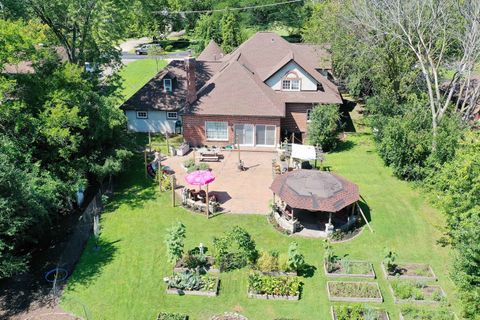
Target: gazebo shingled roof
315 190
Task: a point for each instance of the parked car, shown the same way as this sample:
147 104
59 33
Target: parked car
145 48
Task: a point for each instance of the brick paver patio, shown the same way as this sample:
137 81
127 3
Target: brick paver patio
238 192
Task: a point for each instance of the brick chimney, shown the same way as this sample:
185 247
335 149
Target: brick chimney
191 87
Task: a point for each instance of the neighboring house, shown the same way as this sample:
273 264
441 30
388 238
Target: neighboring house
256 96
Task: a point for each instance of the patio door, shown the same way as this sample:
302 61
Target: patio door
244 134
265 135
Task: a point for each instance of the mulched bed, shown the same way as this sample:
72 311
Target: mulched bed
354 291
181 266
229 316
359 269
414 271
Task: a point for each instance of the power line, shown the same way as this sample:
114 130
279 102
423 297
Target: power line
227 9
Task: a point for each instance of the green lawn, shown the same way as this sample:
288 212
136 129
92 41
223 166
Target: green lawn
124 279
137 73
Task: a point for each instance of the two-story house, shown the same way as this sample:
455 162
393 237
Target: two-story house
255 96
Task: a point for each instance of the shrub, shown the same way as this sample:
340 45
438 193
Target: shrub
189 163
267 262
235 249
324 126
174 239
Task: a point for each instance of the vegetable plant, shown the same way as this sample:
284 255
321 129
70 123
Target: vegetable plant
174 239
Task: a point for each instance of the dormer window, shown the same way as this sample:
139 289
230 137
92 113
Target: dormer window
291 82
167 85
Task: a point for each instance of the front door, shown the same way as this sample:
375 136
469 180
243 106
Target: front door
244 134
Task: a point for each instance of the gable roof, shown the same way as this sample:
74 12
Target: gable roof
152 97
235 90
235 84
212 52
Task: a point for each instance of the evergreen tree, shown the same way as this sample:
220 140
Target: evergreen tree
231 31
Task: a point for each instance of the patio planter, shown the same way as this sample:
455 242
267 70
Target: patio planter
411 271
381 314
181 292
350 295
427 294
341 273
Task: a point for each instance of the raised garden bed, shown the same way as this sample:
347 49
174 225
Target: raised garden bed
188 283
262 286
412 271
192 263
410 313
346 268
357 312
420 293
171 316
229 316
354 291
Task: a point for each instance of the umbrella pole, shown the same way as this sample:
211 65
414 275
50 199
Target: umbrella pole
208 204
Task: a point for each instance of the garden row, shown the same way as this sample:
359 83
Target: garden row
277 275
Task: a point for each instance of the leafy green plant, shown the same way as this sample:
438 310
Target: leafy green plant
356 312
174 239
191 281
189 163
235 249
389 261
274 285
324 126
267 262
296 260
410 313
329 257
171 316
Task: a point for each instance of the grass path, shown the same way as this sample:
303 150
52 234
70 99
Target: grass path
124 279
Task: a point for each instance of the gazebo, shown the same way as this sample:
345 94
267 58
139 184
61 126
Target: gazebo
318 201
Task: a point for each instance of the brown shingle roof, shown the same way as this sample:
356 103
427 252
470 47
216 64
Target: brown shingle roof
235 90
315 190
212 52
152 97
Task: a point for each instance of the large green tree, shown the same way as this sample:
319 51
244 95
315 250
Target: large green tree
88 30
231 31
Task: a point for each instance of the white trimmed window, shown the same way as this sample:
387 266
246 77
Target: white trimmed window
291 85
167 85
216 131
142 114
172 115
265 135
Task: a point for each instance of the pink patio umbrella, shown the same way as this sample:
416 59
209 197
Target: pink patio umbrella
201 178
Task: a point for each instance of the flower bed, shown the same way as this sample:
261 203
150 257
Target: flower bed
196 262
171 316
357 312
273 287
412 271
190 283
408 292
354 291
417 314
346 268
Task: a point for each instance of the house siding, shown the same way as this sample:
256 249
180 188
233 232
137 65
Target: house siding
296 117
157 122
308 83
194 127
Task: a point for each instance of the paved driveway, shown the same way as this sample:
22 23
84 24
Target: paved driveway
238 192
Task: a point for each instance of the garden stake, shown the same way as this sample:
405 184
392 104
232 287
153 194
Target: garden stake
145 162
172 183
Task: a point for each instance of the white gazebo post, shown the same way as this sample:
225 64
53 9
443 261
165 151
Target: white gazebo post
329 225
